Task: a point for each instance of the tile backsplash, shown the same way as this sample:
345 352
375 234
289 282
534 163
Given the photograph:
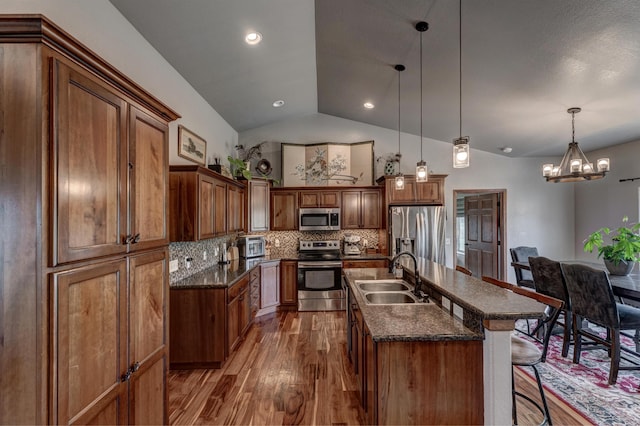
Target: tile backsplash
282 241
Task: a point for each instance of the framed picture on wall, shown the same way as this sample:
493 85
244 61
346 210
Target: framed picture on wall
191 146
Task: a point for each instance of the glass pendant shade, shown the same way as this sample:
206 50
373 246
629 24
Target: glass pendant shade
399 181
421 172
575 167
461 152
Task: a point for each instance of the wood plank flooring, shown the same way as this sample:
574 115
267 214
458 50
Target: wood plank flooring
293 368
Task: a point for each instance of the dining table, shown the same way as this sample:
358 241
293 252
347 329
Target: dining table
625 286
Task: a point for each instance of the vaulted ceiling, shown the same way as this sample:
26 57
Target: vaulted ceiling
524 62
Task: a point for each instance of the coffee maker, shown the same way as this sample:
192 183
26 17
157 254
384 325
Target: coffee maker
351 244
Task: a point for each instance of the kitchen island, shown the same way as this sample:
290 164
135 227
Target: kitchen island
446 362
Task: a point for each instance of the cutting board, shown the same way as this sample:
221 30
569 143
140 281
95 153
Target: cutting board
232 253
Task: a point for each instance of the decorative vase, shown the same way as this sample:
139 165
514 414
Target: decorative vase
390 168
622 268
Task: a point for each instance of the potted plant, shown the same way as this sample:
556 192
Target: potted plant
622 253
239 167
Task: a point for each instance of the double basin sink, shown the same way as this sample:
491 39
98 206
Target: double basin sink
386 292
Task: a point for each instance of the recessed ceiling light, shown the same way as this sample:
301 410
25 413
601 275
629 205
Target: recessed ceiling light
369 105
506 149
253 38
278 103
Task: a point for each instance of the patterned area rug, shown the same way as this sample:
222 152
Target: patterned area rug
584 386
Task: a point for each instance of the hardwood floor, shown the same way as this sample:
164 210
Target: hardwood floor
293 368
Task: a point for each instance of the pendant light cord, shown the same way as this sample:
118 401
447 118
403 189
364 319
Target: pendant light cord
573 126
460 63
421 96
399 152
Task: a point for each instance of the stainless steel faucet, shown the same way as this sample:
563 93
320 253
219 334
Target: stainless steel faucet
417 289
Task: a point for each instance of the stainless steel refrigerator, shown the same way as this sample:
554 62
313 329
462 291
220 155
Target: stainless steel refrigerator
418 229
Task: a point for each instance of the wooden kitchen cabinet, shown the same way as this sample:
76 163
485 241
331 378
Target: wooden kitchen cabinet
197 327
111 189
318 198
90 344
258 202
454 395
201 203
238 312
284 210
84 202
207 324
270 285
361 209
110 344
288 285
430 192
148 337
235 209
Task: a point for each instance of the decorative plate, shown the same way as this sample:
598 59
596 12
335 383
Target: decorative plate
263 167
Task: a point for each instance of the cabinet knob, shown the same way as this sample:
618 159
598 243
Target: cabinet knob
135 367
136 238
127 239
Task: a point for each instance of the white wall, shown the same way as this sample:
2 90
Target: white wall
100 26
538 213
605 202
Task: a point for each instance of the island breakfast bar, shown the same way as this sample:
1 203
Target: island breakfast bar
485 312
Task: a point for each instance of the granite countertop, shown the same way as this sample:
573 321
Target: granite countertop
405 322
484 299
221 276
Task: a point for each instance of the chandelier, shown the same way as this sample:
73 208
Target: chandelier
575 166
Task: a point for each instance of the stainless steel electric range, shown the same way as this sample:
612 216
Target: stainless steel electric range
320 276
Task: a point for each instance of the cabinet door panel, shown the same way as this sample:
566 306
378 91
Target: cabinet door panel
149 170
288 283
351 202
235 209
284 210
270 288
371 208
90 178
220 208
206 228
259 205
148 301
90 340
233 331
148 400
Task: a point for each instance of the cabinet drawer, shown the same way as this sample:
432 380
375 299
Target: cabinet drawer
240 286
254 274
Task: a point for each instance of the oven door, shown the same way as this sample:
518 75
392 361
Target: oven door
320 286
319 276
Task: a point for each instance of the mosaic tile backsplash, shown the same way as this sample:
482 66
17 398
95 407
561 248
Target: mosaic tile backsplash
286 240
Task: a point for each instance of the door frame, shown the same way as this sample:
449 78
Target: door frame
502 230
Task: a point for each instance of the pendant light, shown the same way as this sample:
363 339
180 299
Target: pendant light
575 166
399 181
422 174
461 144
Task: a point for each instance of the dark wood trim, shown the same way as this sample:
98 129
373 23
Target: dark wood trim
39 29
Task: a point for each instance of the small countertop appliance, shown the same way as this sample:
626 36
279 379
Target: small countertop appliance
351 244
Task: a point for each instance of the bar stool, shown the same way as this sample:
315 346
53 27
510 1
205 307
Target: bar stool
527 354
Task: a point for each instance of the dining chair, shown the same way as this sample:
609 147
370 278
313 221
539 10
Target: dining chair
527 354
548 279
522 254
463 270
592 299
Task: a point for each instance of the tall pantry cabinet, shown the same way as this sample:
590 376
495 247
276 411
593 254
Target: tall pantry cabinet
84 281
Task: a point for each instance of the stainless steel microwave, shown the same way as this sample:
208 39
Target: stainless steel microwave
251 246
319 219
